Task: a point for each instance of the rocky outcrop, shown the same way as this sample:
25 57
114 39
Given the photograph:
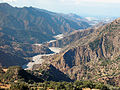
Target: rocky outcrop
92 57
75 36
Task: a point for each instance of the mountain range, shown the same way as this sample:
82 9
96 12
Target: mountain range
21 28
88 53
92 54
31 25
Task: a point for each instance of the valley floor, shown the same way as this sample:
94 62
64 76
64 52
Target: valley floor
38 58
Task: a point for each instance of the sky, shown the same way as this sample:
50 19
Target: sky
108 8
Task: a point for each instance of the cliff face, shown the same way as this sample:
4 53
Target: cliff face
93 57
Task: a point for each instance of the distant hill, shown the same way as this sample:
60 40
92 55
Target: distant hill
31 25
76 18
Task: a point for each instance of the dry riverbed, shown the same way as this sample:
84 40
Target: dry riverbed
38 58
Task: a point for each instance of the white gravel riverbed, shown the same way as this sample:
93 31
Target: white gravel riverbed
38 58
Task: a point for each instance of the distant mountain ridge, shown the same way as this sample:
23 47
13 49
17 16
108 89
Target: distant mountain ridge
20 28
32 24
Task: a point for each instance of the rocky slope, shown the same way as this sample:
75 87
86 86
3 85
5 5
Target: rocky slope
70 39
32 25
93 57
21 28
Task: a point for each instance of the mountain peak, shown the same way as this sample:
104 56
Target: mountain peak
5 5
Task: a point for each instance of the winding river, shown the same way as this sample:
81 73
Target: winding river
38 58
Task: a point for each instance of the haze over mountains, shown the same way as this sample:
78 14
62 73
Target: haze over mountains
87 52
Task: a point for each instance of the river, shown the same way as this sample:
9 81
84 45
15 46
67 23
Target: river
38 58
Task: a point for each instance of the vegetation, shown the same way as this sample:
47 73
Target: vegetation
27 81
17 74
19 86
77 85
94 45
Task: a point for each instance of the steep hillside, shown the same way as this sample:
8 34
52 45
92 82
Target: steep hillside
70 39
93 57
32 25
21 28
50 73
7 59
17 74
76 18
19 54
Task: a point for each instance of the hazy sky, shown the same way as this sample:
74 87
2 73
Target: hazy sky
80 7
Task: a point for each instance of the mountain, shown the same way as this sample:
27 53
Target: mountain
31 25
76 18
15 53
21 28
73 37
94 56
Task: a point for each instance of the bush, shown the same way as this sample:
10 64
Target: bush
19 86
